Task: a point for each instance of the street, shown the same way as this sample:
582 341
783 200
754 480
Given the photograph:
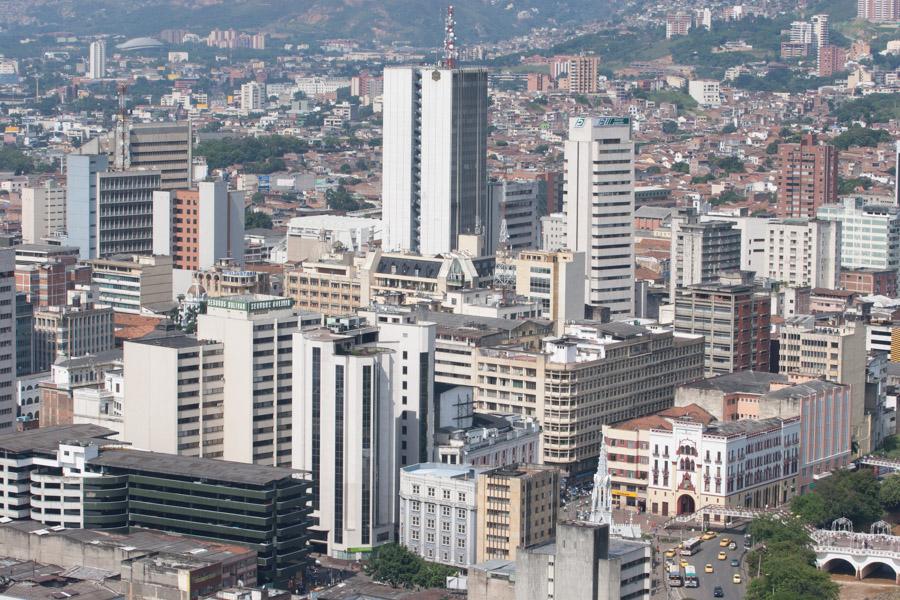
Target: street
722 569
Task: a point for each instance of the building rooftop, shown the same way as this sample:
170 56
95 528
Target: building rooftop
48 439
197 468
661 420
747 382
443 471
87 360
744 426
455 321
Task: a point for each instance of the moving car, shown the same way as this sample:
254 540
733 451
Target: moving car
670 553
708 568
683 563
718 592
708 536
722 556
723 543
736 578
732 546
735 562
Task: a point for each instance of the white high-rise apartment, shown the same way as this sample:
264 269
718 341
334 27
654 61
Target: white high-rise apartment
257 333
599 207
434 183
97 60
801 33
804 252
43 212
251 97
820 30
7 340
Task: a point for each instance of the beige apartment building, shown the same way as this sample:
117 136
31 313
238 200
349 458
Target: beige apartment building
555 279
133 283
330 286
70 331
226 278
516 507
594 375
176 394
835 351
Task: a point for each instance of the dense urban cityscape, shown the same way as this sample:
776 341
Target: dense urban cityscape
391 300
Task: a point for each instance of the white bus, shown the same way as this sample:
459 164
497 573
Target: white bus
690 547
675 576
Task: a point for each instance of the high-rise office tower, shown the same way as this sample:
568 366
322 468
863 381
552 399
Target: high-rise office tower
701 251
7 340
599 207
199 226
256 331
807 177
97 60
435 157
125 212
164 147
362 407
81 200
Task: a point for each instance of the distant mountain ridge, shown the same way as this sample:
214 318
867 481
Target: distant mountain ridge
415 21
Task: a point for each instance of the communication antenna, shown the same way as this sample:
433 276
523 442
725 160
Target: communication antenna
451 53
122 126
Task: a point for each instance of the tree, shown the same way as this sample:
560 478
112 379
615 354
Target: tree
398 567
730 128
810 508
851 494
786 563
669 127
861 136
341 199
681 167
772 148
346 169
256 220
889 494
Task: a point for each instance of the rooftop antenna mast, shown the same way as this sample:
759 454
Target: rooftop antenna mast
121 149
451 53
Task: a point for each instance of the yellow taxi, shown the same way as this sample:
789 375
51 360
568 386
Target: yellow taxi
723 543
736 578
708 536
670 553
722 556
684 563
708 568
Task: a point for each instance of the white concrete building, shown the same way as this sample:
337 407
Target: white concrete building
97 60
438 512
599 207
257 334
753 239
43 212
434 183
705 92
251 97
102 405
176 398
309 238
7 339
747 463
553 232
804 253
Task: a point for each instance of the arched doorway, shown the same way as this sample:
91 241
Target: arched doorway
686 505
